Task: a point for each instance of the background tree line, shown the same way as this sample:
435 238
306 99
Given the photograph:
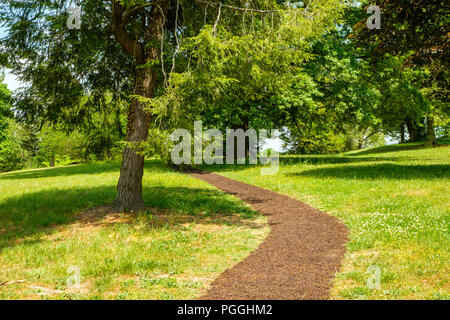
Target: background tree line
26 144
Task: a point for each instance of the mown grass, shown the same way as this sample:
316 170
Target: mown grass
52 219
395 201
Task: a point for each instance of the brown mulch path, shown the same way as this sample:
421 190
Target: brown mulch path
298 259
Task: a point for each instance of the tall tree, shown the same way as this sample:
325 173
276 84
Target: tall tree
419 29
132 41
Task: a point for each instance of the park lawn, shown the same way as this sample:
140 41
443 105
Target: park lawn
394 200
53 223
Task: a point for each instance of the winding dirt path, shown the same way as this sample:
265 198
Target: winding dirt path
298 259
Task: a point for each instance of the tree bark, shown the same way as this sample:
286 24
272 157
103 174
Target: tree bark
431 135
52 161
413 130
402 134
244 125
129 187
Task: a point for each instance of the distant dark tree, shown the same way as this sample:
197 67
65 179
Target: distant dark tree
419 29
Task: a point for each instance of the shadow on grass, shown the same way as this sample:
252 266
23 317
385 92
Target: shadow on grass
61 171
79 169
306 159
380 171
334 159
195 201
41 212
390 148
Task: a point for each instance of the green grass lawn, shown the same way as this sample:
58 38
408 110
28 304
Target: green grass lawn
395 201
188 236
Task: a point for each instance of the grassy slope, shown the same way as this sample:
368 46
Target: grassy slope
192 234
394 199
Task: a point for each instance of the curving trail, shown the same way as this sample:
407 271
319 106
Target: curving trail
299 258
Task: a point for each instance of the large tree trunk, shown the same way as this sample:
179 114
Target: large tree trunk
129 188
431 135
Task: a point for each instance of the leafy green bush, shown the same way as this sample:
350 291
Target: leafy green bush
11 155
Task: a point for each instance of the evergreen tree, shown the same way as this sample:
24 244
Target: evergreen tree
129 46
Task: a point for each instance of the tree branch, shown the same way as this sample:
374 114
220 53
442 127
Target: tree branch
130 45
215 4
131 10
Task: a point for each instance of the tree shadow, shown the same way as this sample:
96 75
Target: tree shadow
306 159
70 170
42 212
390 148
319 160
194 201
34 212
380 171
78 169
